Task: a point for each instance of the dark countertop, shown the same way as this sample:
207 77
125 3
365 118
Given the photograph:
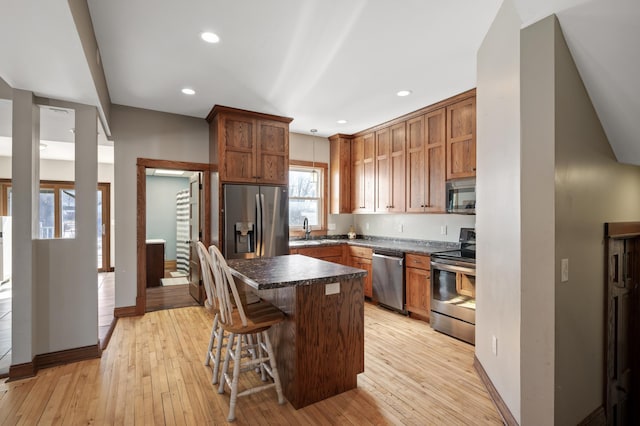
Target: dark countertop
290 270
405 246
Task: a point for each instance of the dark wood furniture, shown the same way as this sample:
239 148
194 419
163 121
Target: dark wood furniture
320 346
155 262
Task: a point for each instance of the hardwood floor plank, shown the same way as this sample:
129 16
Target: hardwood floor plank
152 373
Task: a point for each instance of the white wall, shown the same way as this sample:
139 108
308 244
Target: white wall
414 226
498 220
139 133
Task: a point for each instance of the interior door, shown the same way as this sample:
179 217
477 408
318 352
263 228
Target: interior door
195 235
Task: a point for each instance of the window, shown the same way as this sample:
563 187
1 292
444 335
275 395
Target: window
307 194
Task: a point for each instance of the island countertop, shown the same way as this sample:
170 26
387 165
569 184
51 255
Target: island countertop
290 270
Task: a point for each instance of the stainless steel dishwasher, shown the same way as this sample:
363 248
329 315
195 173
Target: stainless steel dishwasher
388 279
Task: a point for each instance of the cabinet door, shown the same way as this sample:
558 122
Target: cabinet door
382 170
361 263
417 288
272 152
397 153
416 171
340 173
368 142
435 162
238 140
461 139
357 176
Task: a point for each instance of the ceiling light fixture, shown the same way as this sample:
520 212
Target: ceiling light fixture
341 121
314 173
210 37
169 172
188 91
404 93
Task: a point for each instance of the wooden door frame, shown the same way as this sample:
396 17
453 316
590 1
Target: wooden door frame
141 220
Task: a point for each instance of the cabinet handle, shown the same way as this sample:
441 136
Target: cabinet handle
474 169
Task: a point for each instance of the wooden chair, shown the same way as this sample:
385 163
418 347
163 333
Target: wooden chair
241 323
217 332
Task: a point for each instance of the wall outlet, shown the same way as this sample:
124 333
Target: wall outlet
564 270
366 226
494 345
400 228
333 288
443 230
331 226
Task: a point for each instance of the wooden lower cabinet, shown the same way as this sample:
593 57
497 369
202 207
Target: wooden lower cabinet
417 280
360 257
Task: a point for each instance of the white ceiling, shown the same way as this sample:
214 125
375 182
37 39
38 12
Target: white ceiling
316 61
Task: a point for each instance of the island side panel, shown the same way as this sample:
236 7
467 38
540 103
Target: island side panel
329 340
283 337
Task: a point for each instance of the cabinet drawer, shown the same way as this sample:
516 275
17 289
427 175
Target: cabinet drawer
321 252
363 252
418 261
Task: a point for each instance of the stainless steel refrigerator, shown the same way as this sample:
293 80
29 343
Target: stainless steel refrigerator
256 221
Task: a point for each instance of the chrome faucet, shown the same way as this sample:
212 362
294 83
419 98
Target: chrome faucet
305 226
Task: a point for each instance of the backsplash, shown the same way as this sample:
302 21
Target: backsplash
404 226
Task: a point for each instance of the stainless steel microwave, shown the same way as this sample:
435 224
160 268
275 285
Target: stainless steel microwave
461 196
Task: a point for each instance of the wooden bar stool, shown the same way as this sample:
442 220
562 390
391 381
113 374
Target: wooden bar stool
241 323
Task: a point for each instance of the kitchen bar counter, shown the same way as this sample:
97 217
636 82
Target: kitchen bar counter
319 347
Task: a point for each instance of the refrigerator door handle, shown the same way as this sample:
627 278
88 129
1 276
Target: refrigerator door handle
259 227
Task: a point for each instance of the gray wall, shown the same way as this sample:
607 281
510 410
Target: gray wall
591 189
161 210
498 222
140 133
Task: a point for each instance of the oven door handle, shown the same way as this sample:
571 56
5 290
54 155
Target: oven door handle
452 268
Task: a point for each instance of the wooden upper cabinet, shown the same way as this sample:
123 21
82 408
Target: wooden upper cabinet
249 147
390 167
340 174
461 139
362 177
425 177
382 170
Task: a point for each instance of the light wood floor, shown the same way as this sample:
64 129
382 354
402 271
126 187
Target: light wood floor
152 373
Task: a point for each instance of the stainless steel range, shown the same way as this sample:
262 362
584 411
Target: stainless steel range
453 289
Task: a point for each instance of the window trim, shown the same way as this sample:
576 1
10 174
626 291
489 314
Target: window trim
297 231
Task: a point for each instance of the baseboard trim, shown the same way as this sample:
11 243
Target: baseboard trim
125 311
104 342
596 418
67 356
22 371
501 406
51 359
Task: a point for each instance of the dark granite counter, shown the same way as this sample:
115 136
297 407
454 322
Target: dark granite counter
294 270
406 246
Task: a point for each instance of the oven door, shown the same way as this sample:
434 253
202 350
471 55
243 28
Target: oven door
453 291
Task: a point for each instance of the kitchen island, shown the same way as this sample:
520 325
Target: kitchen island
320 346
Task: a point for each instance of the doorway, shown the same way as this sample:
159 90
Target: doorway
196 208
622 345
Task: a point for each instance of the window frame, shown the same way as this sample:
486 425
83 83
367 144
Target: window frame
298 231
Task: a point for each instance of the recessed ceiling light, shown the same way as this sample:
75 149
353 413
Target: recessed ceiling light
188 91
210 37
341 121
314 131
404 93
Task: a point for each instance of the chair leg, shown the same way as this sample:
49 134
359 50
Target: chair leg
263 373
213 335
234 382
225 366
274 368
216 361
